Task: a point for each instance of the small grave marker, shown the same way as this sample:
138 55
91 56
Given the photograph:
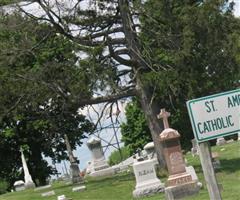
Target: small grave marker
47 194
221 141
79 188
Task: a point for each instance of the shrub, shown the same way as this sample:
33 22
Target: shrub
115 157
3 186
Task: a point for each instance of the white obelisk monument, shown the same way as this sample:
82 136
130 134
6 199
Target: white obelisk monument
27 177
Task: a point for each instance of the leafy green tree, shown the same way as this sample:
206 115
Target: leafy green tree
194 49
7 2
34 64
115 157
135 131
109 60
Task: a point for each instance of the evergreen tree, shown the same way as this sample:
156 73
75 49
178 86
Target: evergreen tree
194 47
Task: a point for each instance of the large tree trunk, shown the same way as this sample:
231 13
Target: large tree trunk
144 92
151 110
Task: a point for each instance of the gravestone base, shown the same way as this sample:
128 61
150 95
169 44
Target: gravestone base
104 172
181 191
148 189
20 188
100 164
75 173
179 179
216 164
29 185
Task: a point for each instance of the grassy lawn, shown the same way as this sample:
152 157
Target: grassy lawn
122 185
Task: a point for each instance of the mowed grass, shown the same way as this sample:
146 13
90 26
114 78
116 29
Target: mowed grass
122 185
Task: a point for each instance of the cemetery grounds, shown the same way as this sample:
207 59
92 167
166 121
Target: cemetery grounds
121 186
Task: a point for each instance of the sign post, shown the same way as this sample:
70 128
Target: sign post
213 117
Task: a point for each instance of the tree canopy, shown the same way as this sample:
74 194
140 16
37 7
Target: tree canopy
194 49
34 63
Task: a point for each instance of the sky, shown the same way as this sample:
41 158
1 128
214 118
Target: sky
237 8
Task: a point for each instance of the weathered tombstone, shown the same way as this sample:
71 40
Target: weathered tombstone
98 160
215 160
230 141
194 149
19 185
147 182
75 173
27 177
74 169
99 165
221 141
179 183
149 148
48 194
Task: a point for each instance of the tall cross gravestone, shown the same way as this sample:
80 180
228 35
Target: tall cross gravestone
27 177
179 183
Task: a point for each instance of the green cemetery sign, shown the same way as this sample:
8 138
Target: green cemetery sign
215 116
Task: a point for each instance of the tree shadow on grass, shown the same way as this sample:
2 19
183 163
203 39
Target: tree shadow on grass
106 181
230 166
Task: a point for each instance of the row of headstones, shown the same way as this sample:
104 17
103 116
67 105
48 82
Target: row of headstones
182 180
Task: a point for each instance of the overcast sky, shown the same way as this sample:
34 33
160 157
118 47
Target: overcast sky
237 8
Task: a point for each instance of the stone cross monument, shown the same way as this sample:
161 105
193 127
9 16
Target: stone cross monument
179 183
27 177
164 115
